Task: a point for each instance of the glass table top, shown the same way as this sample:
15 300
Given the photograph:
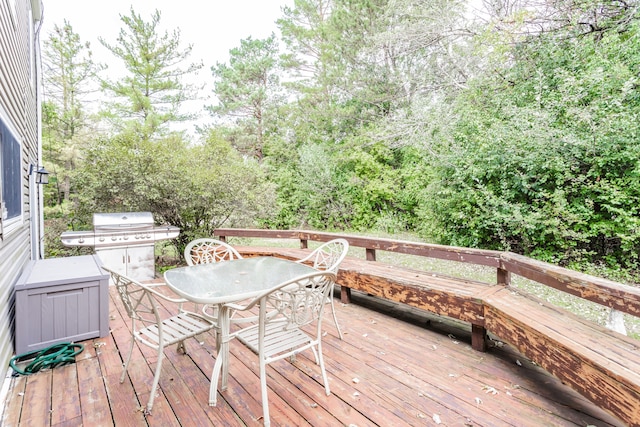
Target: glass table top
233 280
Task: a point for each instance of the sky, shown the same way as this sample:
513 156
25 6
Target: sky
213 27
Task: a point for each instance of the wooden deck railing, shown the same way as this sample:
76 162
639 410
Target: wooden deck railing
601 364
602 291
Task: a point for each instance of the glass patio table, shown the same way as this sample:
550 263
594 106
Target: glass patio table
230 281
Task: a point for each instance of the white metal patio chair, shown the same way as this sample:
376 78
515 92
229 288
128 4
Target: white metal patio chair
205 251
328 257
283 311
149 328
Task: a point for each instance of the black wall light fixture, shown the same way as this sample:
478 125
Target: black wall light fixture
42 176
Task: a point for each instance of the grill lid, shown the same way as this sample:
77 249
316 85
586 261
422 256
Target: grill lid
122 220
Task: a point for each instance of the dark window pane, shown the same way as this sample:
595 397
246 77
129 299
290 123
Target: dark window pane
10 163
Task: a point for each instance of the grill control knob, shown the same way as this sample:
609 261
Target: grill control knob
80 240
101 239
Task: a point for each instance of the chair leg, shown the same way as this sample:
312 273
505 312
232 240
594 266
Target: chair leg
156 379
215 376
126 364
265 398
335 319
325 380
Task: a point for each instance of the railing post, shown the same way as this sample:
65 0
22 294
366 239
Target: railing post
371 254
504 277
345 295
479 332
478 338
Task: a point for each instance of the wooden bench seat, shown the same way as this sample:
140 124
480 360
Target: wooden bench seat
603 365
439 294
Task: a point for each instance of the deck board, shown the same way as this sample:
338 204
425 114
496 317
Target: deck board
37 394
396 366
67 405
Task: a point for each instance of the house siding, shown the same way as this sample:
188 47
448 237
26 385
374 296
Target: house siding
19 107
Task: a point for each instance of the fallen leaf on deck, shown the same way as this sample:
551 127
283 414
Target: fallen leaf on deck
488 389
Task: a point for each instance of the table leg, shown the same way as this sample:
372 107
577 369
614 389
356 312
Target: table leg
222 359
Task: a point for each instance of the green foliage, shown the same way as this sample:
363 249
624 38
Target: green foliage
369 184
197 188
149 98
548 165
519 132
70 76
343 188
247 89
61 218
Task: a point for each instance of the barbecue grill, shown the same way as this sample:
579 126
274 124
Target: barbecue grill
124 241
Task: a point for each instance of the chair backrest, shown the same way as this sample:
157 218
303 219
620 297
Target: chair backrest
297 302
137 298
329 255
207 250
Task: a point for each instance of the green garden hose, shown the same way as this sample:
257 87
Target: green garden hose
50 357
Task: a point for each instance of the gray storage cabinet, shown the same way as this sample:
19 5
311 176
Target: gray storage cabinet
60 300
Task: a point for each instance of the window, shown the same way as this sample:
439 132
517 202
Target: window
10 177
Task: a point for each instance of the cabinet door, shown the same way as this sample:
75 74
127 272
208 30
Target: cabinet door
140 263
115 259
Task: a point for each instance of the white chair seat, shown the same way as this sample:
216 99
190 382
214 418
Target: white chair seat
174 329
278 339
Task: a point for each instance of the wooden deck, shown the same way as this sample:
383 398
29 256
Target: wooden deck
395 367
